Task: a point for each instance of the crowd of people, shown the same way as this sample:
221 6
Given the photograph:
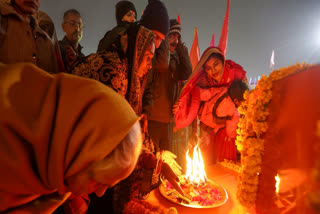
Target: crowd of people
72 125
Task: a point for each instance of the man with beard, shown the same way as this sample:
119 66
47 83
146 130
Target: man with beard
70 48
171 66
21 38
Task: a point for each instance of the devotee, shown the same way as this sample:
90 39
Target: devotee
70 46
215 75
55 142
125 13
21 39
171 66
124 67
211 76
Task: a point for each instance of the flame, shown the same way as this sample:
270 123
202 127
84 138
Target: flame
195 167
277 183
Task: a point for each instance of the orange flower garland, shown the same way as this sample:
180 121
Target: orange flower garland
252 125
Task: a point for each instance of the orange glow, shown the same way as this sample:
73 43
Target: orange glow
277 183
195 167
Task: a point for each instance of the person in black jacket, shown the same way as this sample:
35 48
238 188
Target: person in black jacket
125 14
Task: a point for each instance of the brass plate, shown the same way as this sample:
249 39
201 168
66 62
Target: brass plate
222 193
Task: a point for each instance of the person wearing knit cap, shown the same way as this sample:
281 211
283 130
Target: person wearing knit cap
171 66
155 17
125 11
125 14
124 67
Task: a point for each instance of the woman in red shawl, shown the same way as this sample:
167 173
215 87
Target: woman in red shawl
211 80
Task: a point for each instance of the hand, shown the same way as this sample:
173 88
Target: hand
144 121
176 107
170 159
181 47
171 177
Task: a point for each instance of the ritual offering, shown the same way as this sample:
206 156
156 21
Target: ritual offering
200 192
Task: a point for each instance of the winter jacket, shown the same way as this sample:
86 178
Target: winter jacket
169 69
69 54
22 40
112 36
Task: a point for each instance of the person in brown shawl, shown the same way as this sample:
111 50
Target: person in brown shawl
60 134
124 66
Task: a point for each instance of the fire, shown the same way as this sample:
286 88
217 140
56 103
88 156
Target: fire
277 183
195 167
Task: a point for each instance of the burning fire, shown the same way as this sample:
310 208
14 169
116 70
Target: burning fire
195 167
277 183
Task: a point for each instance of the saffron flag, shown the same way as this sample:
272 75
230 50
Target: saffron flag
224 33
212 41
178 18
195 51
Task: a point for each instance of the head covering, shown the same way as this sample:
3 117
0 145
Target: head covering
175 27
122 7
137 84
49 133
155 17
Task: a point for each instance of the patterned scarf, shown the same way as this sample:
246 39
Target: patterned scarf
137 84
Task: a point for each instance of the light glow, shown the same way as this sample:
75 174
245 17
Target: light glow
195 167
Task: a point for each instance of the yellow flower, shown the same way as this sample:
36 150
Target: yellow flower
252 125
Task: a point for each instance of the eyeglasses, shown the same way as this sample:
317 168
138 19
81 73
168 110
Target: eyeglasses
75 24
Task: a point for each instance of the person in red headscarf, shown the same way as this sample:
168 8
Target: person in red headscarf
211 81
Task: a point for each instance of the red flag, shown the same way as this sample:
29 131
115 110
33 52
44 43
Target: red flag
212 41
178 18
195 51
224 33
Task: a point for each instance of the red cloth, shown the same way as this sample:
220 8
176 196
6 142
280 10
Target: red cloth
225 147
189 97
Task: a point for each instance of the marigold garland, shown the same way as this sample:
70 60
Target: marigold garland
252 125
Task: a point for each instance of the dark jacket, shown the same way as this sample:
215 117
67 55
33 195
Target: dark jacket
69 54
169 70
24 41
112 36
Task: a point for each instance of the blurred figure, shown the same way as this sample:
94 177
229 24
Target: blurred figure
125 13
70 45
171 66
21 39
55 142
47 25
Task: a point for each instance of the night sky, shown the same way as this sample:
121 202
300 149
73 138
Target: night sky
289 27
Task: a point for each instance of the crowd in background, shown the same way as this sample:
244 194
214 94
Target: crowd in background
110 122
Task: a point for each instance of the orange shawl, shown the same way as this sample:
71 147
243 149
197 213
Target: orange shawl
51 127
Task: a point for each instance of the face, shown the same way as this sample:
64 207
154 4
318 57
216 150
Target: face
173 41
29 7
158 38
82 183
146 63
73 27
130 16
214 68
